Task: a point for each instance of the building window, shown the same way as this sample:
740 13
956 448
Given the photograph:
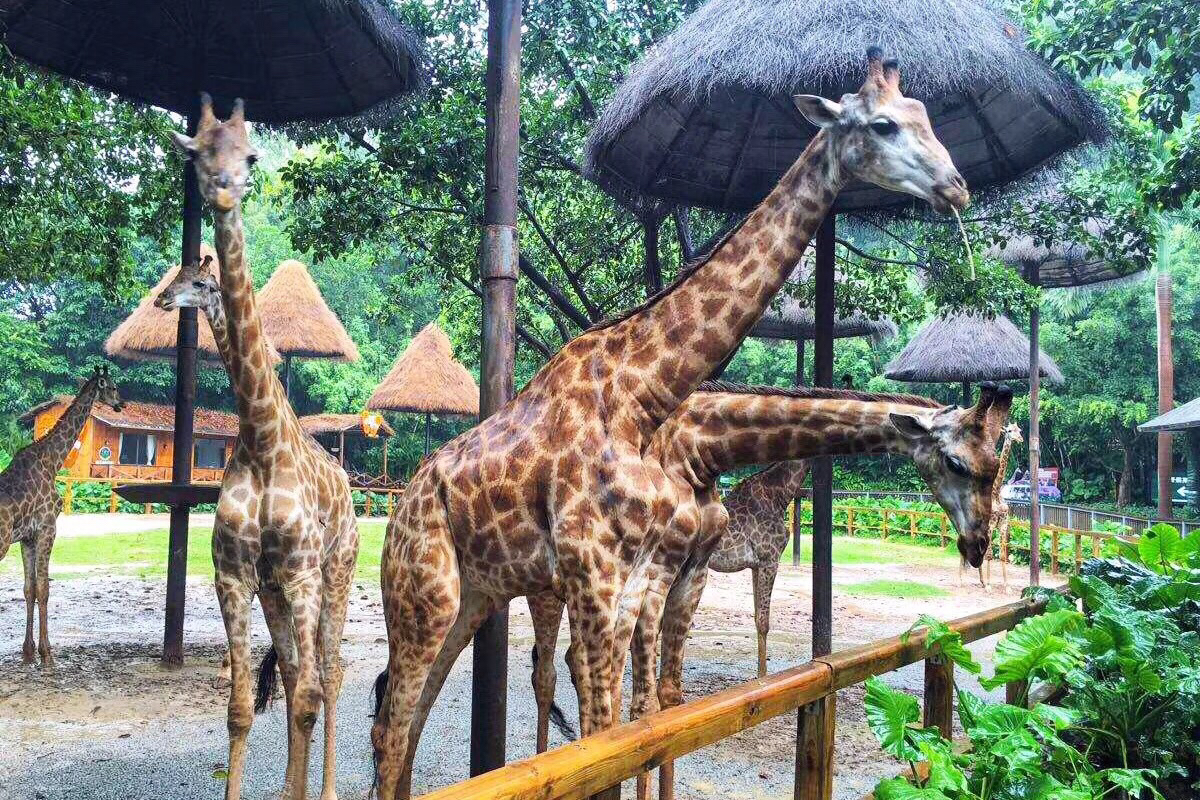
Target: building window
210 454
138 449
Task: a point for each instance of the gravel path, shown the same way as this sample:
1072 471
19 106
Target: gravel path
109 723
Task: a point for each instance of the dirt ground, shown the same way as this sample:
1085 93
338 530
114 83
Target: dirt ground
109 723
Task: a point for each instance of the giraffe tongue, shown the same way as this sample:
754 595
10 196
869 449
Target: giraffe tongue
966 242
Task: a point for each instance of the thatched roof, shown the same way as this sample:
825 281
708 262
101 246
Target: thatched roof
968 347
1177 419
706 118
427 379
154 417
297 320
291 60
1062 264
796 322
148 334
319 424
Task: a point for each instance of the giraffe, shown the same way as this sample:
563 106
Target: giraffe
285 527
723 426
553 491
29 503
757 534
1000 513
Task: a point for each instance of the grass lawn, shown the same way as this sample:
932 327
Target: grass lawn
892 589
853 550
144 554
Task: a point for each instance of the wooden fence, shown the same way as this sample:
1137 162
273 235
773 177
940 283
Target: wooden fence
368 502
596 763
905 522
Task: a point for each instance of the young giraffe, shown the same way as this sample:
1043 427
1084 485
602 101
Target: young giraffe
285 527
29 503
1000 512
553 492
757 534
723 426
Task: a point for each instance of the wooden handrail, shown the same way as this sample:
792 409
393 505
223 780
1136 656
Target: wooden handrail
597 762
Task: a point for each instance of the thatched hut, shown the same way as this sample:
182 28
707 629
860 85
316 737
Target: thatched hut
706 118
298 322
427 380
968 348
149 333
324 426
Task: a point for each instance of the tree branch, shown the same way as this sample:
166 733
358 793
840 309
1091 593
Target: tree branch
683 232
522 331
576 284
878 259
556 297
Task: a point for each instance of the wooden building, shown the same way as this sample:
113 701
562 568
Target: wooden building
136 442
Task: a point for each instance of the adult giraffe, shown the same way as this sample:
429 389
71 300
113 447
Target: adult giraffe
723 426
29 503
553 491
285 527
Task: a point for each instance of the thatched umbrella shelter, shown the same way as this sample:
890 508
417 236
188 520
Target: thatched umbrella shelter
150 333
706 119
968 348
426 379
293 61
341 425
298 322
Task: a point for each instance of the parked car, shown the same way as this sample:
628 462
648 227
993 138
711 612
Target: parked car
1019 490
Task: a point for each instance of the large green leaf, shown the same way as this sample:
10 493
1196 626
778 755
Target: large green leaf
940 639
900 789
1037 649
1137 782
1161 547
889 713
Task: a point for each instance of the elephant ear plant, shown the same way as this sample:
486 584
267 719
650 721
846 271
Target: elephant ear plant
1119 658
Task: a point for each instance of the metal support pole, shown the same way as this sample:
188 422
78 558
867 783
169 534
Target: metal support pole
1035 557
498 268
287 377
426 433
822 470
185 409
796 501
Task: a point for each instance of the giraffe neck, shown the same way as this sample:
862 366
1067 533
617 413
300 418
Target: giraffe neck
58 441
998 483
694 327
783 480
256 388
215 313
715 432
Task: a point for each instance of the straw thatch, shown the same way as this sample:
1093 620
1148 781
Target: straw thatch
426 379
320 424
148 334
292 60
706 118
1177 419
968 348
796 322
297 320
1063 264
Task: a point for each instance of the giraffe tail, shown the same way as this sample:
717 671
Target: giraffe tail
557 717
381 681
267 680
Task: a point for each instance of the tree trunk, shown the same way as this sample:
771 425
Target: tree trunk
1125 484
1166 386
653 266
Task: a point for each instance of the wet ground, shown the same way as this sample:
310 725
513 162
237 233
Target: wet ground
108 722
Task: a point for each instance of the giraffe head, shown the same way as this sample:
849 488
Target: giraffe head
221 153
954 449
194 287
106 388
882 137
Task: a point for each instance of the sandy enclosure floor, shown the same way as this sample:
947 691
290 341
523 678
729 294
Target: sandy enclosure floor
109 723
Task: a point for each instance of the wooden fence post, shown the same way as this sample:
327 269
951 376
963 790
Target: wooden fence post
849 521
390 496
942 530
1054 551
1078 551
112 498
912 525
814 749
883 529
939 694
68 497
368 508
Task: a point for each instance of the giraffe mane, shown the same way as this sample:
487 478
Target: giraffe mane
817 393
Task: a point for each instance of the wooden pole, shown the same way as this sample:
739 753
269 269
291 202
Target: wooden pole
426 433
939 694
342 449
185 409
386 440
287 377
489 675
966 389
796 501
1035 563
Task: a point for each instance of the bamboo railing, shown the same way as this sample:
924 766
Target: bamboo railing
596 763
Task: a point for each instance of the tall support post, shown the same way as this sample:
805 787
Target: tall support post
427 433
287 377
489 676
1035 556
814 722
1163 303
796 501
185 409
966 394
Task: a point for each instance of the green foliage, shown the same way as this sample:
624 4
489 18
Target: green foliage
940 639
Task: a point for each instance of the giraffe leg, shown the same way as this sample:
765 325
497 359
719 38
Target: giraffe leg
303 593
29 562
233 595
279 622
473 609
592 600
763 578
421 593
546 610
45 543
644 699
333 621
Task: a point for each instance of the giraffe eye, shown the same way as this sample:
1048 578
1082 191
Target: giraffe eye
198 284
885 127
956 465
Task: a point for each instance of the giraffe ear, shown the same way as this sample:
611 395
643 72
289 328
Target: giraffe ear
911 427
819 111
185 144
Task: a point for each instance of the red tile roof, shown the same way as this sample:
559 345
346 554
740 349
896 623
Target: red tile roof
147 417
